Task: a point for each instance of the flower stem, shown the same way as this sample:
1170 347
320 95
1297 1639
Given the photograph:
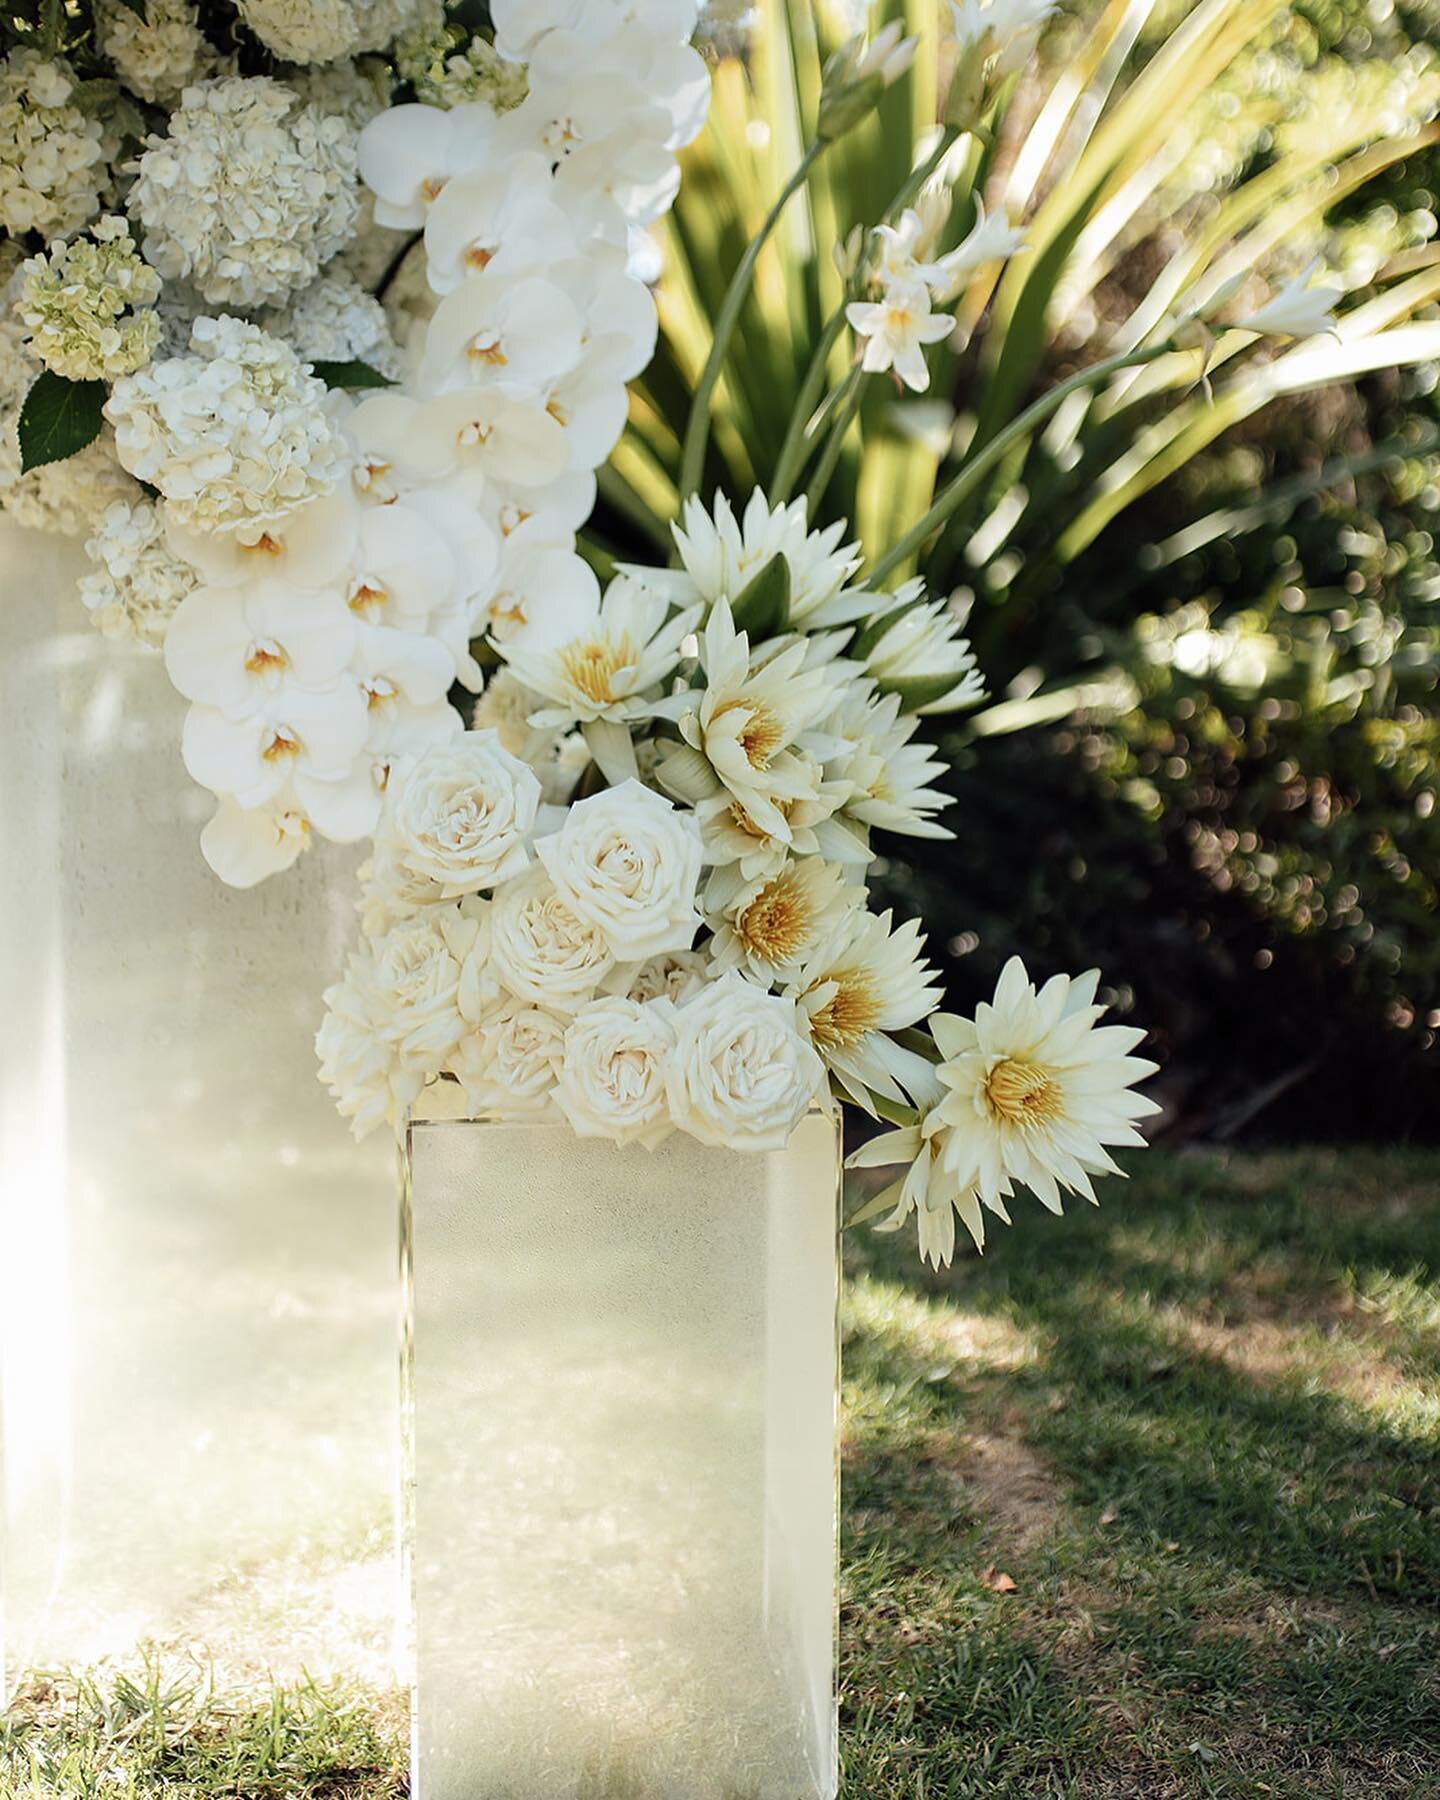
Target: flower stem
972 473
825 468
697 430
797 443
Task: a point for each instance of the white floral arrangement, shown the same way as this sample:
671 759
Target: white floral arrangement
325 373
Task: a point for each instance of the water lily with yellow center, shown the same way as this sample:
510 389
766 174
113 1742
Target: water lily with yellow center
770 926
609 664
870 979
753 715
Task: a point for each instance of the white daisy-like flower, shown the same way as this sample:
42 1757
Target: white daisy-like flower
887 775
137 581
771 926
336 320
89 306
235 435
896 328
721 555
1032 1092
52 155
157 55
606 666
247 193
1038 1090
869 980
917 650
751 717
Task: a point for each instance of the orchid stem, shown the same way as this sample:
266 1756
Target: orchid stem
697 430
972 473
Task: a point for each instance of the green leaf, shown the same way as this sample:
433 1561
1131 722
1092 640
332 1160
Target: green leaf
916 691
763 605
58 418
140 8
350 375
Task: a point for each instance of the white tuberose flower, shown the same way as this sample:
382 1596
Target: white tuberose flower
461 815
1298 310
612 1078
627 862
742 1076
896 329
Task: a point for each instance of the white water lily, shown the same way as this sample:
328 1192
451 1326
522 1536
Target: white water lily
612 1077
720 555
770 926
1038 1091
742 1075
917 650
751 718
627 862
866 982
609 665
896 329
886 772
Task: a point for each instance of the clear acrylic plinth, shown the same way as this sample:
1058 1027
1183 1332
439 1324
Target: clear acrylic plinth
196 1262
621 1377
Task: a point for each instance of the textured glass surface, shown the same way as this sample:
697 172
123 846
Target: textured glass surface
196 1262
622 1391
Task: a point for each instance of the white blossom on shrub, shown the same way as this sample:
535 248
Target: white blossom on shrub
156 56
52 155
89 306
337 320
302 31
137 581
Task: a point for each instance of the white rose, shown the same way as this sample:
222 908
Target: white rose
507 1066
413 973
541 949
628 861
462 813
741 1076
676 976
612 1080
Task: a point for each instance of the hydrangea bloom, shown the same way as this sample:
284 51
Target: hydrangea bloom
78 304
234 434
336 320
137 581
446 70
248 193
155 56
379 22
302 31
52 155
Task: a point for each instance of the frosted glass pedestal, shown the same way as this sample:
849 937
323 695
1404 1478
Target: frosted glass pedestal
621 1373
196 1261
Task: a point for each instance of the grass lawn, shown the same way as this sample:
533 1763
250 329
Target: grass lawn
1145 1504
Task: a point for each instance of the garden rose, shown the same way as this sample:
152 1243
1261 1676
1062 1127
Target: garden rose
742 1075
542 949
628 861
612 1079
462 814
507 1066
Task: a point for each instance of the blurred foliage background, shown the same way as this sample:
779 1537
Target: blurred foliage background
1210 629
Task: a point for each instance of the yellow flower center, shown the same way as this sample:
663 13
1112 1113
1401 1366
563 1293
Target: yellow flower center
265 656
368 599
488 347
479 256
777 923
851 1011
1021 1093
592 667
283 745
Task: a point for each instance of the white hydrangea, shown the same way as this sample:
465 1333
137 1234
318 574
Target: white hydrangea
138 581
235 435
249 192
157 56
52 155
335 320
88 306
356 92
302 31
380 22
447 70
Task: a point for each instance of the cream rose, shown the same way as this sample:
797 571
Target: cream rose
413 976
627 861
507 1066
540 947
676 976
612 1079
461 815
741 1076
